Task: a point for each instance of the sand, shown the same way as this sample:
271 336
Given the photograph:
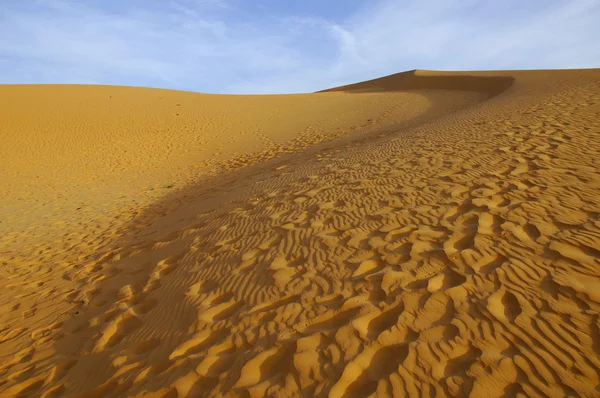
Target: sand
426 233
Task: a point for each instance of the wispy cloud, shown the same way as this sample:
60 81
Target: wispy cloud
249 47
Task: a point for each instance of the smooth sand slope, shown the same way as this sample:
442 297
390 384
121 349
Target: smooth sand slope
426 233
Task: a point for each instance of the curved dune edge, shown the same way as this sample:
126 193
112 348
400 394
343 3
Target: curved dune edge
483 82
458 256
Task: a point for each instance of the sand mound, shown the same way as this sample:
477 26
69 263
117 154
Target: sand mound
448 246
70 153
486 83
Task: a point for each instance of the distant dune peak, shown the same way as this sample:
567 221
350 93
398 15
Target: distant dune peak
418 79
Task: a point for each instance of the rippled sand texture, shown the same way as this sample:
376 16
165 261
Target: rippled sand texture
438 234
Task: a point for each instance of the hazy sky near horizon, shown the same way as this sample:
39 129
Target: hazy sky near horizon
278 46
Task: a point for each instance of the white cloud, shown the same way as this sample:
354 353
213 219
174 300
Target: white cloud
478 34
213 46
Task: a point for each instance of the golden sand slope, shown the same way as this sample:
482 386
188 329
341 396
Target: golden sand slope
71 153
450 245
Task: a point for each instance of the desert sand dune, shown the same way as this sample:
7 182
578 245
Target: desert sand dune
71 152
426 233
489 83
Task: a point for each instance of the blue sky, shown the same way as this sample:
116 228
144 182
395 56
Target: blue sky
279 46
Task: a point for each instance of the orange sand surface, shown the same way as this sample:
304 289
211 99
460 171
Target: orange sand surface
426 233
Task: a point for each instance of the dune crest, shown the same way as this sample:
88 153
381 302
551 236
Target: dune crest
449 246
481 82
